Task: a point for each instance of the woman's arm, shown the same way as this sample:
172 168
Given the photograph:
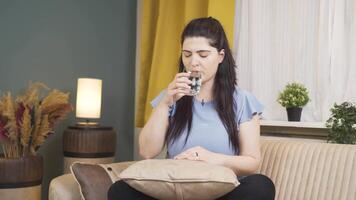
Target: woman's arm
248 160
151 139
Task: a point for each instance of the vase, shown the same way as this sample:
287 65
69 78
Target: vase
294 114
21 178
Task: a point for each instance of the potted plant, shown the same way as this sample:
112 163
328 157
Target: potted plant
342 123
25 123
293 98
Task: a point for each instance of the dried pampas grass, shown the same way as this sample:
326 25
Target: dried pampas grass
54 99
43 132
28 121
25 130
8 113
33 94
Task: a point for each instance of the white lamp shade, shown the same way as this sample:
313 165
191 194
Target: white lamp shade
88 98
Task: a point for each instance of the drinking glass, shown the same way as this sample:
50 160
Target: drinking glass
196 79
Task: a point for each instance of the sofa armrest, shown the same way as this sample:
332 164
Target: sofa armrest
64 188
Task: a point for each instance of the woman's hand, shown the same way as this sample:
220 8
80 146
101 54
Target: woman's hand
201 154
178 88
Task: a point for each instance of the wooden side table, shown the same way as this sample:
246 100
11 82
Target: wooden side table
90 144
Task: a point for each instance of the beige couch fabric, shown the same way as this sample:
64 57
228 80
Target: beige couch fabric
64 188
310 170
301 170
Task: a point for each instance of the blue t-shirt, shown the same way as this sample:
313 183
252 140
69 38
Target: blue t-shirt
207 129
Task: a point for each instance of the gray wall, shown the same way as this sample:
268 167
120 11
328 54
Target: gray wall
58 41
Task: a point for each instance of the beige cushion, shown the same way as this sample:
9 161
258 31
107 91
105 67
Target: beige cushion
95 179
180 179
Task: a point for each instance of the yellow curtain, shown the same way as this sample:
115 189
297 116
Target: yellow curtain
162 22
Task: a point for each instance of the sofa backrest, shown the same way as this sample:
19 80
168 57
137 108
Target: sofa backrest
310 170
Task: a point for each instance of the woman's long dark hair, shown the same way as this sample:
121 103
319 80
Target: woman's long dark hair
224 83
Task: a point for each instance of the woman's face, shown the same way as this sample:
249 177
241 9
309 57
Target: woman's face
199 56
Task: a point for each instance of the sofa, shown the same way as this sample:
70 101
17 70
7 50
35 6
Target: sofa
300 170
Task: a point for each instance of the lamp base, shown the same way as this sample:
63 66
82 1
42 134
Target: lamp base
87 123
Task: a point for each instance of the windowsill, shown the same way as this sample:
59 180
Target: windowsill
307 130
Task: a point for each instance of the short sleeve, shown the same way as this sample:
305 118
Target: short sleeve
158 98
247 106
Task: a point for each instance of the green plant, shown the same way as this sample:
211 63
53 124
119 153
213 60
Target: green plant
25 123
342 123
293 95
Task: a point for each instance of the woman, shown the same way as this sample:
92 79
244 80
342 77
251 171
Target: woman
219 125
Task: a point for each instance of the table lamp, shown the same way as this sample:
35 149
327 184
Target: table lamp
88 105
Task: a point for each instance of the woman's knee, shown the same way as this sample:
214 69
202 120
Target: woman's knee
113 191
261 185
260 179
121 190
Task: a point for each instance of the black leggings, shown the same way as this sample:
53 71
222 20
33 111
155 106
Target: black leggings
253 187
